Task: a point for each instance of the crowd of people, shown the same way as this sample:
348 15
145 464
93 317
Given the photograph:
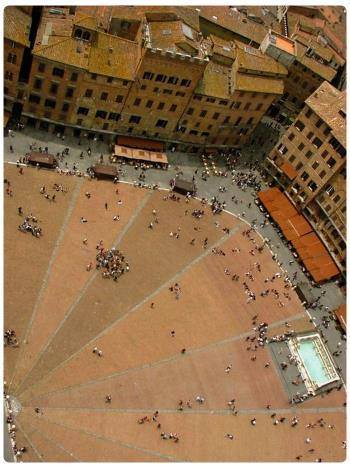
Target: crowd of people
111 262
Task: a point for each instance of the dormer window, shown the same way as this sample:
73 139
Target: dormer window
82 34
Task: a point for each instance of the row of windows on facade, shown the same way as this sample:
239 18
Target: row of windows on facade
226 120
34 98
165 79
59 72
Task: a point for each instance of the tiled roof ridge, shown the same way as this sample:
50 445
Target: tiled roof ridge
39 48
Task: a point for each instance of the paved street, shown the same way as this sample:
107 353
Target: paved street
188 164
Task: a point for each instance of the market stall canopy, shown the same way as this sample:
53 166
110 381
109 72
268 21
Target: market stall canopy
140 143
340 313
184 186
43 159
299 232
105 171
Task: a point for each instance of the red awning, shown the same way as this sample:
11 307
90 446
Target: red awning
299 232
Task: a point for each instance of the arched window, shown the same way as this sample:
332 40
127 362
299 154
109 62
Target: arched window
78 33
86 35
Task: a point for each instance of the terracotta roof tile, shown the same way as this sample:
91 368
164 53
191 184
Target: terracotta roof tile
64 51
327 102
215 81
114 56
16 25
255 83
254 60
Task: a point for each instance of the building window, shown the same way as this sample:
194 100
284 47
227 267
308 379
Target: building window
319 123
209 127
194 132
250 121
50 103
292 158
105 126
331 162
304 176
134 119
308 155
93 76
143 87
308 113
315 165
203 113
324 154
88 93
53 88
259 106
310 135
173 108
312 186
185 82
69 92
299 125
125 83
329 190
216 115
74 76
291 136
161 105
109 79
82 111
322 174
119 98
41 67
101 114
336 198
237 105
197 98
204 133
148 75
38 83
161 123
223 102
161 78
301 146
226 119
172 80
149 104
58 72
167 91
156 90
282 149
113 116
326 131
11 58
299 166
238 121
104 96
190 111
65 107
317 142
137 102
246 107
34 99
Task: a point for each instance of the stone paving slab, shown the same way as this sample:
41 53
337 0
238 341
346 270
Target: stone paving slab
24 276
68 272
85 447
202 436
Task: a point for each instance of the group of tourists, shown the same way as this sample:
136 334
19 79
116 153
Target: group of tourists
111 262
